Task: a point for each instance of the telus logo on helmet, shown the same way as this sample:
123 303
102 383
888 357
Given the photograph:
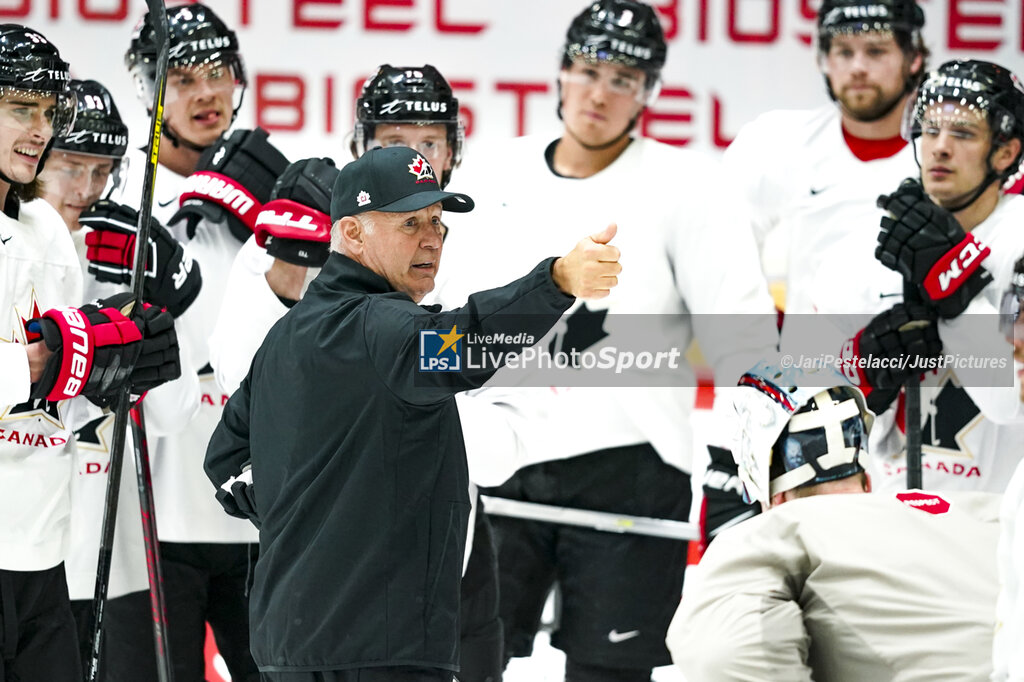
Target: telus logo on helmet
80 136
39 74
204 45
637 51
956 82
396 105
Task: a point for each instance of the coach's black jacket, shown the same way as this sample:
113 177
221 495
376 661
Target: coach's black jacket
359 470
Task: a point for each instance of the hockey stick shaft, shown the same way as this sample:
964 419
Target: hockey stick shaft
587 518
158 17
912 424
144 480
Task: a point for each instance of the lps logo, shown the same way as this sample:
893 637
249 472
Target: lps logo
440 351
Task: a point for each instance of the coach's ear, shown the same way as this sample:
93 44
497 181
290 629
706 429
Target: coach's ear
349 236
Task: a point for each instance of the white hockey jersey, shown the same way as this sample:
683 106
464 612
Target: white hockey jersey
187 510
1007 653
687 253
807 191
39 270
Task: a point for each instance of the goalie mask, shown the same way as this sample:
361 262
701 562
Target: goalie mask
797 428
409 95
965 90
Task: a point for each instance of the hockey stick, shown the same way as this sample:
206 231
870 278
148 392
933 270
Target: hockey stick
144 481
912 411
158 16
587 518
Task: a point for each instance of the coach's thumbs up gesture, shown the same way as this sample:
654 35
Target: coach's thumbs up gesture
591 269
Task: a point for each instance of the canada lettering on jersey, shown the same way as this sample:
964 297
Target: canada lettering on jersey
36 440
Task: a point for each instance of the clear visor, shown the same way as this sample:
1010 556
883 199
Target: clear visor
33 111
82 175
614 80
1011 322
213 79
950 109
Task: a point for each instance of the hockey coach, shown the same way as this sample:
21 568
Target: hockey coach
349 458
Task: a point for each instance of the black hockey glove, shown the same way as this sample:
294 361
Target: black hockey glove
238 496
158 360
723 495
295 225
926 245
232 181
892 347
173 279
94 348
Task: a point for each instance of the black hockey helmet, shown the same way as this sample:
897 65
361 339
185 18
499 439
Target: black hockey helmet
196 36
623 32
98 128
974 85
417 95
901 17
29 63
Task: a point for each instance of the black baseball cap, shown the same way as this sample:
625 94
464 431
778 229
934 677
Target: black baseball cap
394 180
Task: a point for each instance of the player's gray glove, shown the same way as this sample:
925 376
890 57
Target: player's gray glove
894 345
926 245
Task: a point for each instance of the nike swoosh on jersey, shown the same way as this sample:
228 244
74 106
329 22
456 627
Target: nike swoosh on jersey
819 190
165 204
4 240
615 636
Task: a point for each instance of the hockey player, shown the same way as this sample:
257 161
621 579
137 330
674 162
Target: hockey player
206 557
835 586
80 169
1007 657
617 450
265 282
381 479
811 176
46 359
969 123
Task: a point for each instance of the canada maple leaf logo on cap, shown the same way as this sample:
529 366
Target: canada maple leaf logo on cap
422 170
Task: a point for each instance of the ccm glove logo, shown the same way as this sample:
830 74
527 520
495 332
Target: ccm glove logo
959 263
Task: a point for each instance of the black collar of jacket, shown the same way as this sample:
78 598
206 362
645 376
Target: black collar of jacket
341 273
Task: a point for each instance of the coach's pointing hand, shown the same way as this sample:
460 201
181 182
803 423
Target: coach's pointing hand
591 269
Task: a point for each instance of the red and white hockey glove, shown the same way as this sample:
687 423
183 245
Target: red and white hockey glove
926 245
295 225
173 279
882 355
233 179
94 348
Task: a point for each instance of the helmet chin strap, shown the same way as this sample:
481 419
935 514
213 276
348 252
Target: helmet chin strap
179 141
990 176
